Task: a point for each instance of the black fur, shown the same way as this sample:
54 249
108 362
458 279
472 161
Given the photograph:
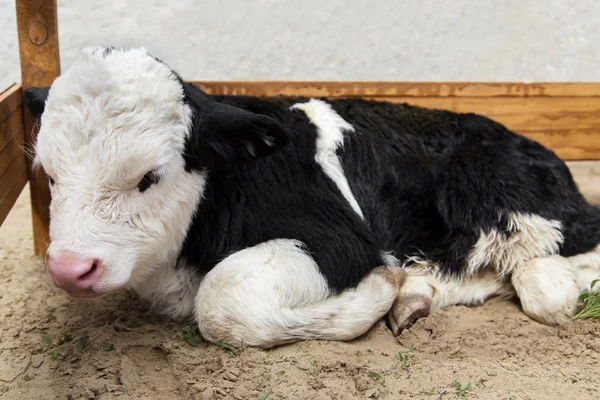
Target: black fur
150 178
284 196
223 135
35 99
108 50
428 182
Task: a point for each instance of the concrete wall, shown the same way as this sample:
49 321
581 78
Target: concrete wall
547 40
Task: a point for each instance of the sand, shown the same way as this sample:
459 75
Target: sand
54 347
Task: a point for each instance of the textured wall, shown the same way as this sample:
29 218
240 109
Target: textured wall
548 40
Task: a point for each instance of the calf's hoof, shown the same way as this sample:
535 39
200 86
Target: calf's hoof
406 310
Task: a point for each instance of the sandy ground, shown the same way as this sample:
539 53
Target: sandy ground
53 347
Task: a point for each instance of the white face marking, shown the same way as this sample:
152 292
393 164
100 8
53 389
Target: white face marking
330 136
107 122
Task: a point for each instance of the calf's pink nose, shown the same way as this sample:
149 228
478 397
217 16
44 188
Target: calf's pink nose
71 271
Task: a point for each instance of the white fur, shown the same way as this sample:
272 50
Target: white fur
549 287
491 260
330 137
418 263
171 291
473 290
108 120
532 236
547 284
390 259
273 293
587 269
425 291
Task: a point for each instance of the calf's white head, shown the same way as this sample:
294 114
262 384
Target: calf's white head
128 147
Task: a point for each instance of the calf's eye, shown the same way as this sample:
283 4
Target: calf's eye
149 179
51 181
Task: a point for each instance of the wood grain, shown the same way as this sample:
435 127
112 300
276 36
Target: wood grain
10 100
562 116
40 65
12 152
11 172
14 174
401 89
10 196
10 126
12 159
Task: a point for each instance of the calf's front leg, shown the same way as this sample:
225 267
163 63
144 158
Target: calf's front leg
274 293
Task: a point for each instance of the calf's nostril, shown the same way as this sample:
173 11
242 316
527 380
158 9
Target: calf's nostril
90 272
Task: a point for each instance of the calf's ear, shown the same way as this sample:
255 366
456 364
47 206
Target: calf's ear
35 99
223 134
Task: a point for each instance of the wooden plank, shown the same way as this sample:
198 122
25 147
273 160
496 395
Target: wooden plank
12 194
10 100
519 113
10 126
12 152
569 145
562 116
400 89
9 87
11 175
570 126
40 64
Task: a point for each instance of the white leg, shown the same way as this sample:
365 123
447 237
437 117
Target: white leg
587 269
549 287
423 292
273 293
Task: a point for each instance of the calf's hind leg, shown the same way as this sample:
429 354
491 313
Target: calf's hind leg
274 293
498 254
424 292
548 285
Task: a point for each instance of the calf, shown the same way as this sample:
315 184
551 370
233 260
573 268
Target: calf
276 220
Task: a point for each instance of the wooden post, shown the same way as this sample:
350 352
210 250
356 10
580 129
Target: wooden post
40 64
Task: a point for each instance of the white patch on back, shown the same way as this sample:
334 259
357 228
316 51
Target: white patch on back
330 136
531 236
274 293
